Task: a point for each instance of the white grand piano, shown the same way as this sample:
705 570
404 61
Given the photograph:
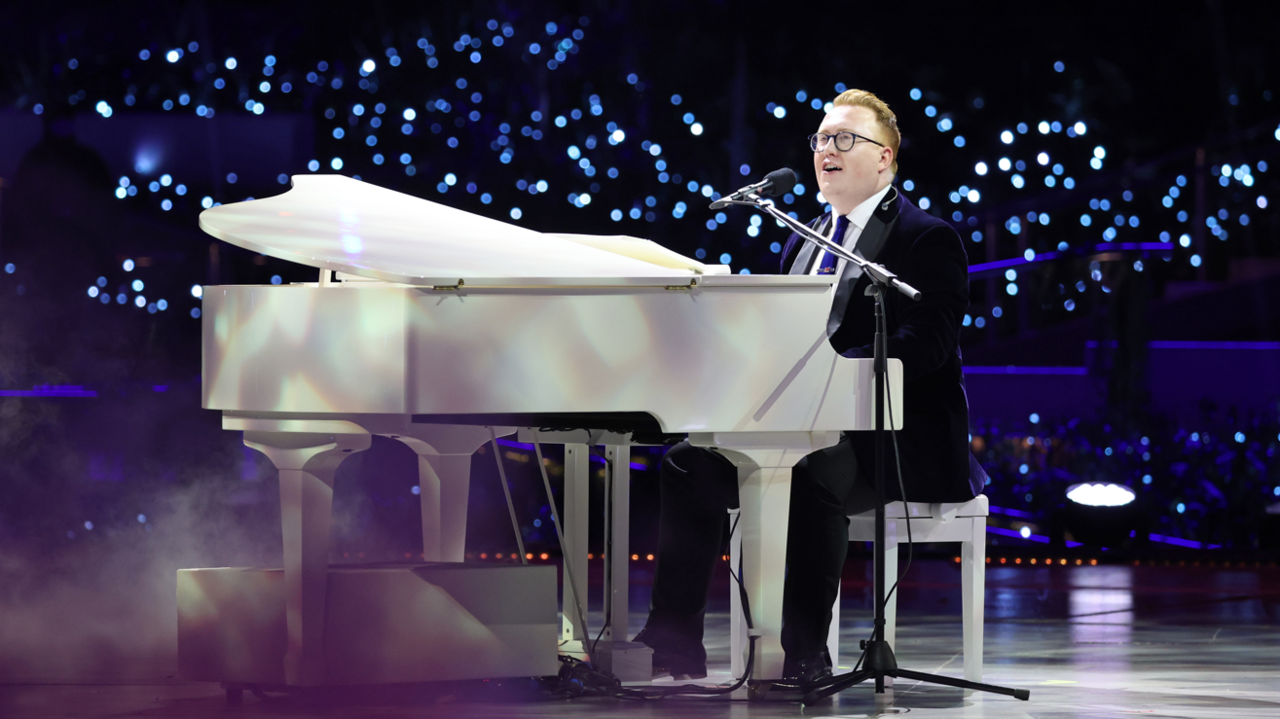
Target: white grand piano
435 327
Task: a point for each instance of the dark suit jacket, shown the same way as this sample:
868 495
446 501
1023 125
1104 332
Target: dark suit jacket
927 254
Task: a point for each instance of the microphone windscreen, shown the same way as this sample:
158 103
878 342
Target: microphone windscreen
781 182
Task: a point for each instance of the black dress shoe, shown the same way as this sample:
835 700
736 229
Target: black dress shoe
807 671
670 659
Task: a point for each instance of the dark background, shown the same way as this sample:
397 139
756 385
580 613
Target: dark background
1163 367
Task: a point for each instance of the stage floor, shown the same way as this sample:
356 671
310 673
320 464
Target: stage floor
1089 641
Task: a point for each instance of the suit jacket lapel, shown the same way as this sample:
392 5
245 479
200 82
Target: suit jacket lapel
870 243
808 251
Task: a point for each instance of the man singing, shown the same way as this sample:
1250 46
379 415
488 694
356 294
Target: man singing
855 153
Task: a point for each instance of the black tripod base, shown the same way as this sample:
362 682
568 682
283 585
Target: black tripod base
881 663
878 661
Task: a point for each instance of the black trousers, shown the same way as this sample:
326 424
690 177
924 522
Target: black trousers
698 486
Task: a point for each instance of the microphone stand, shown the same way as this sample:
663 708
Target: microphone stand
879 274
878 659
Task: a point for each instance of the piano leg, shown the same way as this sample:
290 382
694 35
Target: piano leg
306 462
617 607
577 509
738 638
626 660
764 496
444 480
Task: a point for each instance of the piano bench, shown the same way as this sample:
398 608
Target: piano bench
965 523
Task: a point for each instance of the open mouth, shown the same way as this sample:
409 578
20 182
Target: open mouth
828 167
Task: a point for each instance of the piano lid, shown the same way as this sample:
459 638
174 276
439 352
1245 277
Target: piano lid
337 223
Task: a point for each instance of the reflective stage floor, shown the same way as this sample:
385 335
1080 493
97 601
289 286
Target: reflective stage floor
1087 641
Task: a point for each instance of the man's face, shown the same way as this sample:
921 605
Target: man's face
848 178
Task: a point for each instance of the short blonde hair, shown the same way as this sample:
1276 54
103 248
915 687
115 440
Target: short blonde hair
885 119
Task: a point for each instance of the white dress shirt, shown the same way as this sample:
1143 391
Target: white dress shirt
858 220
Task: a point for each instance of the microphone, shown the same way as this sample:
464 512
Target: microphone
778 182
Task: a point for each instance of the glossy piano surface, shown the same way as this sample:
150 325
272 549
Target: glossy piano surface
342 224
744 357
698 352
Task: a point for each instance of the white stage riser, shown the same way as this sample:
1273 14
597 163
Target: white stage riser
382 625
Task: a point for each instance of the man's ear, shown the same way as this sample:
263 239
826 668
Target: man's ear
886 158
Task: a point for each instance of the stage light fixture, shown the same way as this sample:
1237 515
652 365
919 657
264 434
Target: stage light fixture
1099 514
1100 494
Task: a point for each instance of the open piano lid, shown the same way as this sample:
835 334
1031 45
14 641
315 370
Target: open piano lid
337 223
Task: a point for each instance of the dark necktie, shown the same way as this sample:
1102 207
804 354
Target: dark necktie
828 266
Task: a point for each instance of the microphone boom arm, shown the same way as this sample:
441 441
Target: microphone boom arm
748 191
878 273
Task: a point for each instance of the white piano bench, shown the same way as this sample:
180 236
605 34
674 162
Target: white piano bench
965 523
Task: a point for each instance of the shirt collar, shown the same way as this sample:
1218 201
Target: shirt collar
861 214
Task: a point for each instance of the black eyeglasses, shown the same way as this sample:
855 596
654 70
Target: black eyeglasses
844 140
